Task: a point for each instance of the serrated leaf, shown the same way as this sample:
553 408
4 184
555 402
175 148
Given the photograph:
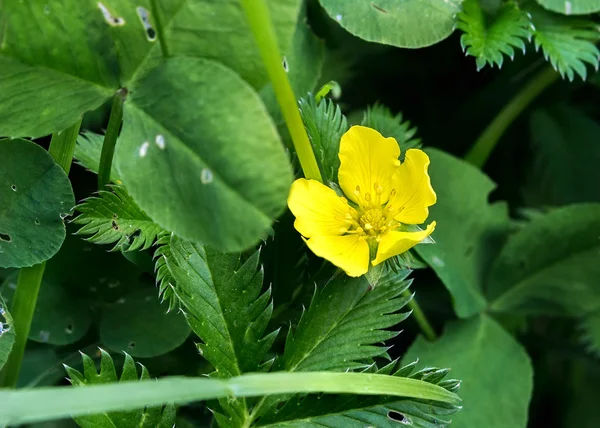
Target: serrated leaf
325 124
35 197
568 43
149 417
224 306
489 37
380 118
62 79
495 370
355 412
572 7
470 231
186 171
113 217
164 278
87 153
7 333
550 266
405 24
590 332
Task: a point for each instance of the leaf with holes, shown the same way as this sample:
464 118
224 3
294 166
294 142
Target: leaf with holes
325 125
490 36
63 79
35 197
382 412
150 417
405 24
495 371
179 156
114 218
380 117
222 300
469 232
550 266
568 43
7 333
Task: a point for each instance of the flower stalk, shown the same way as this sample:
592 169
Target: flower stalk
110 138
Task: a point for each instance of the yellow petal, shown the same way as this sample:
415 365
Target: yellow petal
367 163
349 252
394 243
318 209
413 191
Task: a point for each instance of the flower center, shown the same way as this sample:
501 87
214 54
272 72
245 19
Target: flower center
373 221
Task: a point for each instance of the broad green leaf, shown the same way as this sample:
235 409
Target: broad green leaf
565 155
401 23
31 405
550 266
572 7
222 300
60 318
215 172
35 197
88 151
354 411
380 117
590 332
494 369
138 324
114 218
7 333
568 43
325 124
488 37
469 230
150 417
47 81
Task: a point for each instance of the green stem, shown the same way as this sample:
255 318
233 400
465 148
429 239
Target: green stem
23 304
159 28
110 139
420 317
483 147
257 14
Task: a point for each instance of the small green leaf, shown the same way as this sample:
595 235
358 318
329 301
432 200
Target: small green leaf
63 79
405 24
568 43
138 324
489 38
550 266
114 218
149 417
325 125
7 333
590 327
88 151
495 370
469 231
380 117
186 170
164 277
35 197
572 7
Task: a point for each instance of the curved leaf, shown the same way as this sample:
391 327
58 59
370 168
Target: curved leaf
571 7
7 333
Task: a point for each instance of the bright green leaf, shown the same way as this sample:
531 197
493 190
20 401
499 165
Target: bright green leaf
138 324
150 417
35 197
572 7
495 370
469 230
114 218
7 333
489 38
88 151
186 170
404 23
551 265
47 81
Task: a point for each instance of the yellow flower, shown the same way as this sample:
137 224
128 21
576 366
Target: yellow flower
383 195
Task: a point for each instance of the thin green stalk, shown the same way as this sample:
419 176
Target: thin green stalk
110 139
22 309
257 14
420 317
483 147
23 304
159 28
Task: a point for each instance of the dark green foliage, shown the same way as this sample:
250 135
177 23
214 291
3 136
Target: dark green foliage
381 118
